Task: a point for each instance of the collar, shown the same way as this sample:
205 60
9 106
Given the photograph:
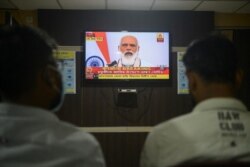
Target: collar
223 103
16 110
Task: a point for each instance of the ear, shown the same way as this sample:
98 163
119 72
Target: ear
52 78
238 78
192 81
47 87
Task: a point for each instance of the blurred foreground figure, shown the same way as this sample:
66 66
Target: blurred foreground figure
31 89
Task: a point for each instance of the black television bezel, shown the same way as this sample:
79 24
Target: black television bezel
128 83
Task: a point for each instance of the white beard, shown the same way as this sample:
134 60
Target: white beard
129 59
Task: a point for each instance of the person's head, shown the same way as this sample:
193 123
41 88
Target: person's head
28 70
128 48
212 68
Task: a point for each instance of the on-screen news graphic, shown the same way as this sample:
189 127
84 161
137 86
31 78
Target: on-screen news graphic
126 55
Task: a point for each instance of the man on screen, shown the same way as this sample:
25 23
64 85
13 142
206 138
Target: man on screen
129 49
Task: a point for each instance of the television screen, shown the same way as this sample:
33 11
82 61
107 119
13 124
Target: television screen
126 55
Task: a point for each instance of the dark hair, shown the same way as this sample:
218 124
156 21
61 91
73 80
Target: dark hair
23 52
214 58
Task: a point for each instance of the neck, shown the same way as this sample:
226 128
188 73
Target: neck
214 90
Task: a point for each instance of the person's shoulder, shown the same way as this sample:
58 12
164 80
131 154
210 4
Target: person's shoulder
168 124
73 138
74 143
65 132
170 129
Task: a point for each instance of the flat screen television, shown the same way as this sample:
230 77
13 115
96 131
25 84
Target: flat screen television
126 56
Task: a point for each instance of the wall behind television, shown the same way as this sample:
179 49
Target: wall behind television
95 106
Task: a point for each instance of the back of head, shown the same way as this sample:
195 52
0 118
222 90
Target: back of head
213 58
24 51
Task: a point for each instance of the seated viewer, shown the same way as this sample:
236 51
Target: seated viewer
218 128
31 90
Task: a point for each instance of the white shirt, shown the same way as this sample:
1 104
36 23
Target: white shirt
217 129
33 137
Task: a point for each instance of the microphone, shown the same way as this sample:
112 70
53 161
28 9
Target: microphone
114 63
